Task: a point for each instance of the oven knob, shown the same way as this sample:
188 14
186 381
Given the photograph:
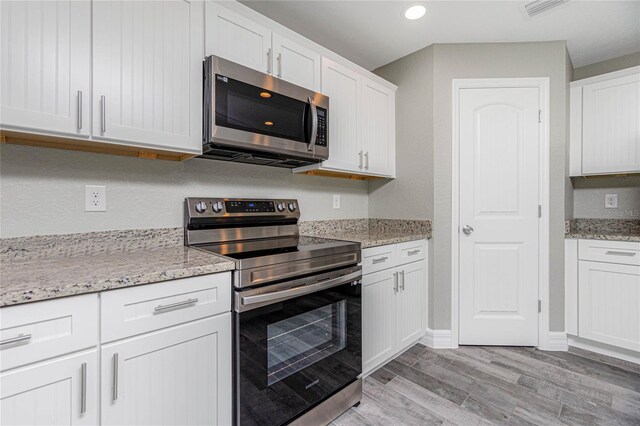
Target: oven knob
292 207
280 207
217 206
201 207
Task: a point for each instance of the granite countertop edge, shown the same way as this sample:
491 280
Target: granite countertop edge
605 237
369 241
33 292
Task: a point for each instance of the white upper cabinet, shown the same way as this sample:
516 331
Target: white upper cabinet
343 86
378 128
147 83
605 124
234 37
295 63
46 60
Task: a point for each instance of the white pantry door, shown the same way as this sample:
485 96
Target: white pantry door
499 199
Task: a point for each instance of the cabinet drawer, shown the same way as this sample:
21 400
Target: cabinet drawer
411 251
36 331
378 258
150 307
622 252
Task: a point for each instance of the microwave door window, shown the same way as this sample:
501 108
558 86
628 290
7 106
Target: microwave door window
250 108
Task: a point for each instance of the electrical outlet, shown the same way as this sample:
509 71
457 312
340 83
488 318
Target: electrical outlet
95 198
611 201
336 201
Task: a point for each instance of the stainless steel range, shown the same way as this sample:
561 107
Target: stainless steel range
297 310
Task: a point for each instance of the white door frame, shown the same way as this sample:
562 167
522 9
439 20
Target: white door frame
542 83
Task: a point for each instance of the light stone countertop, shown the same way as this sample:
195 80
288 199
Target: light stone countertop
29 278
607 237
369 232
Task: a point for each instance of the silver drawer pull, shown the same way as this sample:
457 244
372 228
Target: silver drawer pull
620 253
380 259
177 305
412 252
114 390
19 338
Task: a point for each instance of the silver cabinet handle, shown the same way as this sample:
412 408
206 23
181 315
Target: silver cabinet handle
103 112
360 162
79 109
279 65
467 229
366 160
620 253
395 282
412 252
269 70
19 338
402 281
177 305
83 394
380 259
114 395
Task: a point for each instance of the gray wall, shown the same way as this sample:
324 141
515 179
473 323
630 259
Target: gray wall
43 190
410 195
589 197
615 64
485 60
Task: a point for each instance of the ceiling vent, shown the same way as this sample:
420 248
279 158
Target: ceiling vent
540 6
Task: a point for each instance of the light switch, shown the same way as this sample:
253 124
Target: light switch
611 201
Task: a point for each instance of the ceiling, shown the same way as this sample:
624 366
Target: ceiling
374 33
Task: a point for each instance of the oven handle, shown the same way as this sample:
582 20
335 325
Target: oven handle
278 296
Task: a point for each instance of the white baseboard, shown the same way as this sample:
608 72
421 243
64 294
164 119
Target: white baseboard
556 341
604 349
437 339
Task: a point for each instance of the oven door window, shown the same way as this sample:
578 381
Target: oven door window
295 353
295 343
253 109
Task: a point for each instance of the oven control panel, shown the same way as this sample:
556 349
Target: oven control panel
240 207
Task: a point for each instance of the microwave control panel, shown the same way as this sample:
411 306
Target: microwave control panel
321 138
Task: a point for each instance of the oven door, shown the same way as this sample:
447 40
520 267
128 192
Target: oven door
295 346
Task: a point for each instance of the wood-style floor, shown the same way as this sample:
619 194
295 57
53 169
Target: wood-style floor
493 385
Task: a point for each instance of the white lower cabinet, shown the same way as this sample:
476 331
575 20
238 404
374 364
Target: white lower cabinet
172 367
602 294
177 376
394 303
62 391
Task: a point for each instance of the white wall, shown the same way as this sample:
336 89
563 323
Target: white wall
42 190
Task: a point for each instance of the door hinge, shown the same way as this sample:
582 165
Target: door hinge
539 305
539 116
539 210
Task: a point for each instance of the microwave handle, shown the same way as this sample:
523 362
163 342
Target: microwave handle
314 125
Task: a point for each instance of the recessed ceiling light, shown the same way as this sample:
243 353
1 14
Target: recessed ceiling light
414 11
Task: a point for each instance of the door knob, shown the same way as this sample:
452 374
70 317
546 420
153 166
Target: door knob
467 229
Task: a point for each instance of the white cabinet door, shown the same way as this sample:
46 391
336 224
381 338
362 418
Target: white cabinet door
609 297
378 318
295 63
611 126
411 303
46 66
343 86
147 87
378 128
236 38
62 391
180 375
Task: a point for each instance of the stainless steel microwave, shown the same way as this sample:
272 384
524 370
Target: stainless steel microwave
252 117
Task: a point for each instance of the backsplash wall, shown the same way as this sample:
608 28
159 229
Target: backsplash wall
589 193
42 190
